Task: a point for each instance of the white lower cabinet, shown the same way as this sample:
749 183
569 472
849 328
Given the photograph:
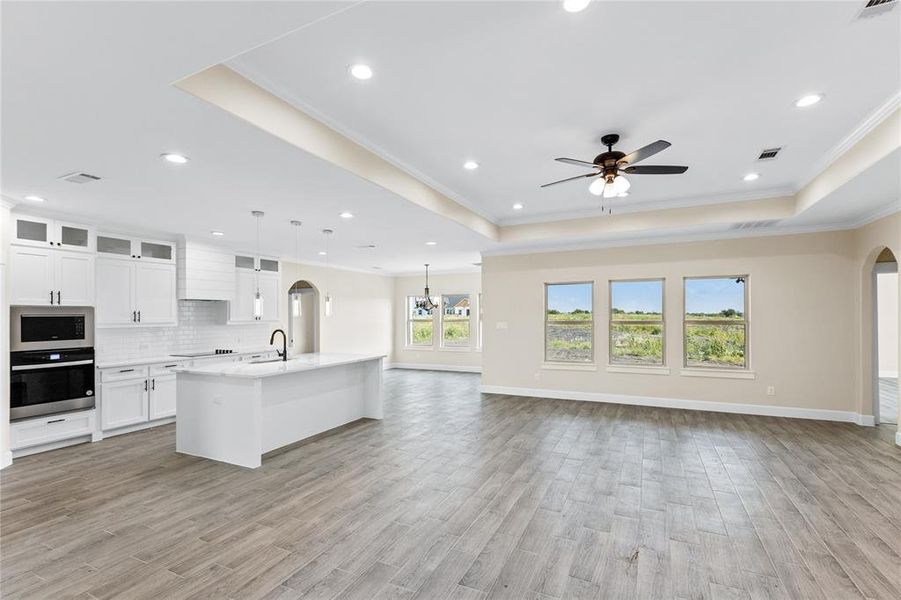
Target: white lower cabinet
162 396
123 403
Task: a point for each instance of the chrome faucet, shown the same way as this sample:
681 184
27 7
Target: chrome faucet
284 353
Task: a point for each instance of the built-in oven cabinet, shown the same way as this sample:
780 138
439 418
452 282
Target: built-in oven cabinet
128 248
133 294
48 277
49 233
49 429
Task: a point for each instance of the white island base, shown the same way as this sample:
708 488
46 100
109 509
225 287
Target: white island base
235 413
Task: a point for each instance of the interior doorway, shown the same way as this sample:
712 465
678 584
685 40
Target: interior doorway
885 284
303 317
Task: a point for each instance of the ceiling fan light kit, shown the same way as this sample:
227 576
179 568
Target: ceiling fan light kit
610 165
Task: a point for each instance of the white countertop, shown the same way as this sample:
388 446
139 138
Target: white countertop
104 363
299 363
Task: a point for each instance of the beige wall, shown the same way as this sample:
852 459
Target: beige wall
362 315
802 299
456 283
887 307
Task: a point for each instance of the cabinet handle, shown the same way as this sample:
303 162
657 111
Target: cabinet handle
55 421
59 298
153 384
51 296
145 385
169 366
134 316
126 370
139 313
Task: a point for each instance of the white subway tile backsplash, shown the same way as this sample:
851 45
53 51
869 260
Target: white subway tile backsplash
201 326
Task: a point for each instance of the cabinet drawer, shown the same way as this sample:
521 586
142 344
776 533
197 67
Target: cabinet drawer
53 428
123 374
165 369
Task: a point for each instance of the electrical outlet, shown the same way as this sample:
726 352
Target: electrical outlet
501 325
771 390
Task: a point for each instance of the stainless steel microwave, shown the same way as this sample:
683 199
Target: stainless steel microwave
50 328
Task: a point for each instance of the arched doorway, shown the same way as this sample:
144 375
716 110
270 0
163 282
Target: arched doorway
303 317
885 338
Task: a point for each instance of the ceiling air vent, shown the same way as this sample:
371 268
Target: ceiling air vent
366 247
769 153
876 7
78 177
749 225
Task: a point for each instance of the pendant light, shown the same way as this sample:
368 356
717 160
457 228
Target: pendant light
296 307
328 297
426 303
258 298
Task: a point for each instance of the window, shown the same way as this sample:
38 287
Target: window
568 322
716 322
636 322
419 323
455 317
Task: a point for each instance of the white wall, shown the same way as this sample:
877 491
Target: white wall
887 320
469 359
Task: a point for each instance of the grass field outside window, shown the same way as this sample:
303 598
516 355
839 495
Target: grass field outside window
716 322
636 322
569 322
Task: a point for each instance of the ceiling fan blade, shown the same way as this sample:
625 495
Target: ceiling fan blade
578 163
570 179
655 170
645 152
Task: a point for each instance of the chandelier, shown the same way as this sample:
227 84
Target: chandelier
426 302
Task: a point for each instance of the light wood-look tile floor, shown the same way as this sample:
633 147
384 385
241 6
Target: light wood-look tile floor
465 497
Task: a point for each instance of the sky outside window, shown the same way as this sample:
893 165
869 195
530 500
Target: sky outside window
568 297
712 296
635 296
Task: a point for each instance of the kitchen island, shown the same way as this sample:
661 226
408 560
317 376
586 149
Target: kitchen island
235 413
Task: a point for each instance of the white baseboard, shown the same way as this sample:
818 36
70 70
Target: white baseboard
724 407
431 367
6 459
893 374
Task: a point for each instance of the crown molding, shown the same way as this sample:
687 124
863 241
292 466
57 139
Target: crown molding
7 202
277 90
870 122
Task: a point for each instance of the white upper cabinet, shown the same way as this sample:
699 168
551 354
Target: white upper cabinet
252 273
132 293
48 233
46 277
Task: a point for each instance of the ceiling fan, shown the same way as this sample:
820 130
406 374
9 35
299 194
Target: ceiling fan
610 165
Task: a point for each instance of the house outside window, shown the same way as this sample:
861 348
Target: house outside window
419 323
456 310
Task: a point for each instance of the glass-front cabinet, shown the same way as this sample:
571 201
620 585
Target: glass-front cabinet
117 246
50 233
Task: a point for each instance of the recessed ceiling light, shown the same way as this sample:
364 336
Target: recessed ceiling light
346 215
217 233
322 253
517 206
575 6
33 198
361 71
178 159
751 176
808 100
431 243
470 165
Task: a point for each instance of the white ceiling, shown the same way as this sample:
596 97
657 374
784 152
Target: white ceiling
87 86
513 85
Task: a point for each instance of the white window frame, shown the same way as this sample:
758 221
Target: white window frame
745 321
611 321
591 360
